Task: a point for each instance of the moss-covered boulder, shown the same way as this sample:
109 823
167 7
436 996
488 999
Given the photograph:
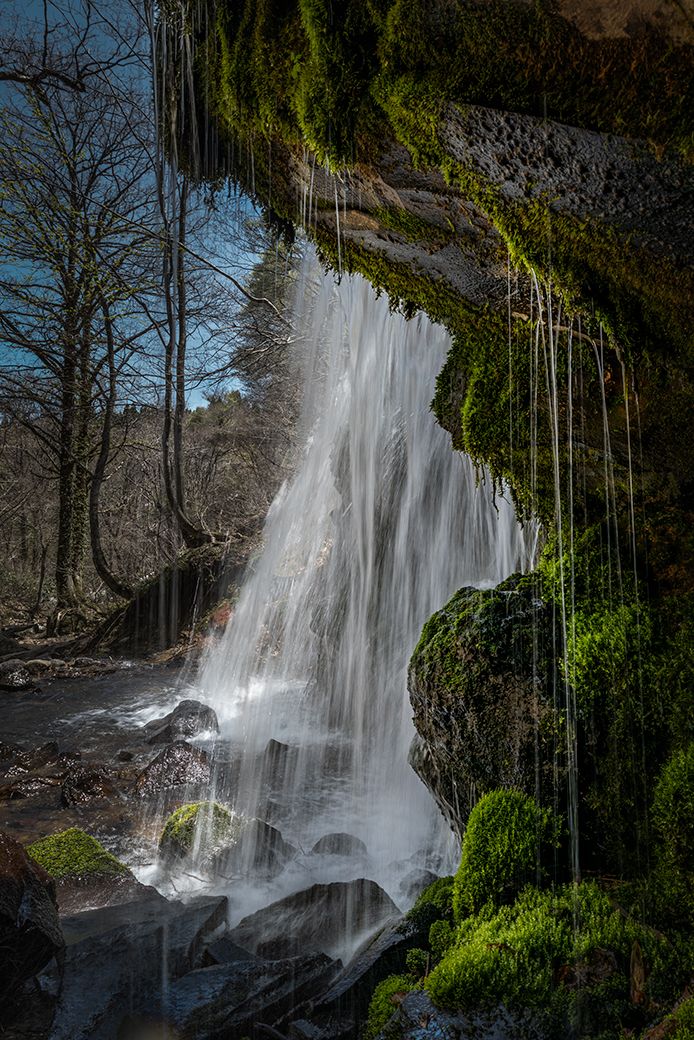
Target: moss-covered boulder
505 839
74 853
480 683
199 830
673 819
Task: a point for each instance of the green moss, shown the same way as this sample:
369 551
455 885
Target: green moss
502 846
441 938
417 962
73 853
683 1018
382 1006
532 954
411 227
208 825
434 903
673 819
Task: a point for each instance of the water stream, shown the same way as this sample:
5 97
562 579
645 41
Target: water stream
379 525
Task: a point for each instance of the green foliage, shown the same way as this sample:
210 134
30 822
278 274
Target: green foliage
382 1006
73 853
208 824
683 1018
673 819
434 903
503 840
441 938
511 955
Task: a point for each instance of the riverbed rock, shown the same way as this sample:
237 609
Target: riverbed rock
85 784
198 827
339 844
324 918
229 1000
15 676
188 719
30 934
259 852
480 683
118 959
177 764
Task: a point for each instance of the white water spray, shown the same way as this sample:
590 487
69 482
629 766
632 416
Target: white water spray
380 524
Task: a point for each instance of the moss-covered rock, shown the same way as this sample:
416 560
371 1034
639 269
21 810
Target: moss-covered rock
480 682
570 953
673 819
505 842
74 853
384 1002
433 904
199 829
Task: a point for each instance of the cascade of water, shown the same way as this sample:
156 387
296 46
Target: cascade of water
379 525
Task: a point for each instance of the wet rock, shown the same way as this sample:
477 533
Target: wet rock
339 844
342 1009
224 951
117 960
9 752
188 719
323 918
28 786
37 757
259 852
30 934
83 784
480 686
277 760
230 1000
414 883
93 892
125 756
180 763
416 1018
201 827
14 676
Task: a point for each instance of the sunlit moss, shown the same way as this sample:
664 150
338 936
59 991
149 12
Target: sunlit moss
74 853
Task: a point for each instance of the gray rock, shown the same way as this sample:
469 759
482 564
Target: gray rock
418 1019
14 676
85 784
229 1000
323 918
188 719
180 763
30 934
260 852
414 883
224 951
117 960
340 844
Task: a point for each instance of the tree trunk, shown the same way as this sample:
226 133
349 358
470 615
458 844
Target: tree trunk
111 581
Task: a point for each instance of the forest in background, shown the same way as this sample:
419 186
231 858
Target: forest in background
146 392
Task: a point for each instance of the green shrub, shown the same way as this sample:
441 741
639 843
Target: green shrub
73 853
673 819
382 1006
207 825
417 962
501 850
533 954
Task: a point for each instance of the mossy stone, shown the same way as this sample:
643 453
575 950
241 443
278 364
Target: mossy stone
199 828
74 853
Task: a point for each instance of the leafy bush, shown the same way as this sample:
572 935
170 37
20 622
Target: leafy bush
501 850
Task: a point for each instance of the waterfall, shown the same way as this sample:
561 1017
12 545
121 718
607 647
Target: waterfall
379 525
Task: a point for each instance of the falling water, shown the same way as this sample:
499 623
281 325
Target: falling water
379 525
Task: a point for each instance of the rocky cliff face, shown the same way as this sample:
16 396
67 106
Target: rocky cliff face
523 173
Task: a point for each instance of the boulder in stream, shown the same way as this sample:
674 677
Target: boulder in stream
260 851
177 764
84 784
339 844
320 919
15 676
205 827
188 719
30 934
